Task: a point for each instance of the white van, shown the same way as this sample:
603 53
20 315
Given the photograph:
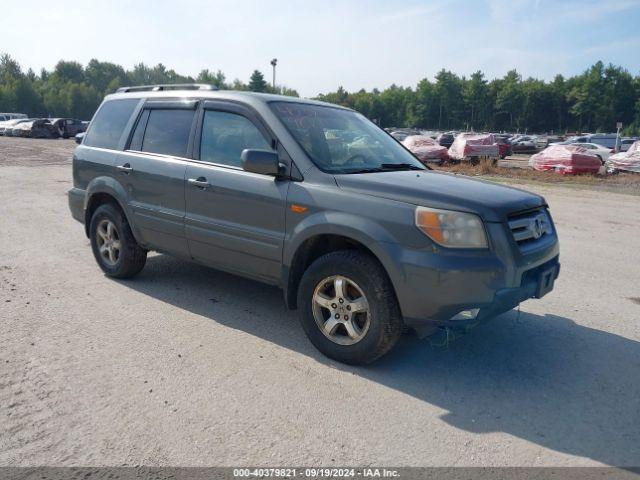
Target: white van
11 116
605 139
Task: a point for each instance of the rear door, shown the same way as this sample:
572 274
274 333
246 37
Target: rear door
234 219
152 170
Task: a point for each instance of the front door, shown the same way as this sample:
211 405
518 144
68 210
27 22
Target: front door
234 219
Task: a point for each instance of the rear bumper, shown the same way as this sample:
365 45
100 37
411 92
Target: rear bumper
76 197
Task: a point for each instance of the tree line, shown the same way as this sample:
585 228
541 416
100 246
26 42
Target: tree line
592 101
74 90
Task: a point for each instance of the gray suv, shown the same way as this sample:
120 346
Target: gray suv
364 240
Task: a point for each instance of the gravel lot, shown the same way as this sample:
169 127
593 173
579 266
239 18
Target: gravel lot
188 366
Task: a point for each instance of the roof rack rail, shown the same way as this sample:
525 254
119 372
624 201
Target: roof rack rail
168 86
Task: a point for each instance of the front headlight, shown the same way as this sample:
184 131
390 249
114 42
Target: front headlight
451 229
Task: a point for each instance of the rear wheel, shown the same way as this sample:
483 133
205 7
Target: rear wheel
348 308
114 247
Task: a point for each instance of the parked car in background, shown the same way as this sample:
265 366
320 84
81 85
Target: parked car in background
7 125
426 149
504 147
42 128
445 139
22 129
68 127
15 129
400 136
626 143
628 161
11 116
474 147
568 159
607 140
524 143
550 139
601 152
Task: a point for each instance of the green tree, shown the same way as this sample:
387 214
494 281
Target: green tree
593 100
509 99
69 71
475 97
218 78
448 92
257 82
104 76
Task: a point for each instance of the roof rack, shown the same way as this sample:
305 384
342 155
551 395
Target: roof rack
169 86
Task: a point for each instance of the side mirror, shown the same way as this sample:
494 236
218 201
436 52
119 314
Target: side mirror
79 138
264 162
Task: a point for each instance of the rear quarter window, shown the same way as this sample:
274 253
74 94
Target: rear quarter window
109 123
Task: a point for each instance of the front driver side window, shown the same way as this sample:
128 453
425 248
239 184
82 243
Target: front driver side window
225 135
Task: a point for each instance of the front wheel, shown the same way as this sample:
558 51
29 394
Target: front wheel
348 307
113 244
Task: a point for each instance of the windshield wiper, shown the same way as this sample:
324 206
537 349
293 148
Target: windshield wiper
365 170
400 166
386 167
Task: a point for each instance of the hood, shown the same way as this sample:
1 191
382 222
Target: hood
443 190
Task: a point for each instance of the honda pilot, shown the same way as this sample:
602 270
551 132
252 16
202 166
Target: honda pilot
364 240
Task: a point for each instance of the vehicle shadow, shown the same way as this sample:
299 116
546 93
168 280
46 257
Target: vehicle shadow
544 379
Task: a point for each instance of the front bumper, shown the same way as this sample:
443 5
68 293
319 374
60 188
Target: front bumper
435 286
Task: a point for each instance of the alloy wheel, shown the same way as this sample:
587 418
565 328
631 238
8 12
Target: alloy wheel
108 241
341 310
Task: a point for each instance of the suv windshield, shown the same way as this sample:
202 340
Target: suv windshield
343 141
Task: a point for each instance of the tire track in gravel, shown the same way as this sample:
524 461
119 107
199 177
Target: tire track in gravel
31 416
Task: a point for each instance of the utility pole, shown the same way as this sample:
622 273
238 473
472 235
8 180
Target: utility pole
274 62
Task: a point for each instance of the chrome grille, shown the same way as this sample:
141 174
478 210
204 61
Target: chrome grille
530 227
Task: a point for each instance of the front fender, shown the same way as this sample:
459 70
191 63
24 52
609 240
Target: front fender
359 229
362 230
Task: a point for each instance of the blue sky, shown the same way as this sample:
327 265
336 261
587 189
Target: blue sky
326 43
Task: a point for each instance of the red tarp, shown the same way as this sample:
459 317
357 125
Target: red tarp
468 145
628 161
566 159
426 148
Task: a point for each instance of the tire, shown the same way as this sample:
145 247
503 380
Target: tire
130 257
384 323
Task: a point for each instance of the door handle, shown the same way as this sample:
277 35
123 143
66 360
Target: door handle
199 182
126 168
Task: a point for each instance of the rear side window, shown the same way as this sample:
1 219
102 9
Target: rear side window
605 141
167 132
108 124
225 135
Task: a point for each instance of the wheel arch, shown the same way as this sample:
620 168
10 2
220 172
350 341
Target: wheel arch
103 190
318 240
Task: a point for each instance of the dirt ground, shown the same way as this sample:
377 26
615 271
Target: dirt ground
187 366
